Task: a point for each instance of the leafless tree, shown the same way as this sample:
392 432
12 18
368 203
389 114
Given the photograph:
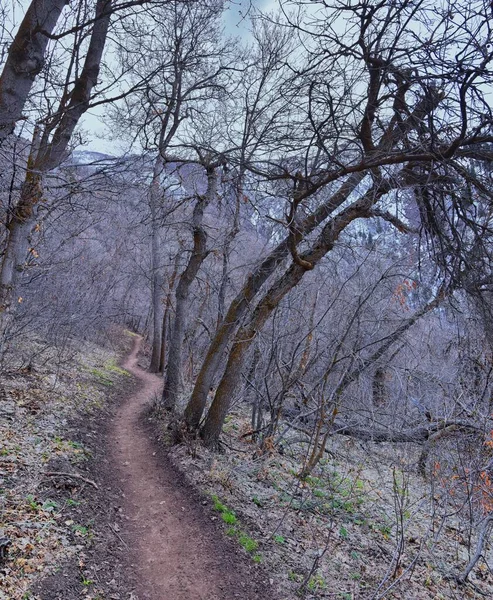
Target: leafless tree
419 115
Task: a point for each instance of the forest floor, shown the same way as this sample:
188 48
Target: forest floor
96 503
363 526
90 505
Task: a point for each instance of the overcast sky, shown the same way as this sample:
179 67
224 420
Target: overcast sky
236 23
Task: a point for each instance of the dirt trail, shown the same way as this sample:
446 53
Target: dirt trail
178 553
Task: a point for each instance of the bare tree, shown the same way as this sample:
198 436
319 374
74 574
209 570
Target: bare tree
184 60
25 60
401 120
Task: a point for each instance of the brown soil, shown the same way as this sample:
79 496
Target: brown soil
177 550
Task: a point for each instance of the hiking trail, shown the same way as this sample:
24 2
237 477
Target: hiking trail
175 549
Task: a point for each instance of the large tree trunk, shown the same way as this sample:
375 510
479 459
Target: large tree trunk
241 304
221 300
25 60
19 228
53 152
199 253
278 290
46 156
156 271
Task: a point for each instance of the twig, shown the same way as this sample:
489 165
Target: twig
118 536
74 475
479 550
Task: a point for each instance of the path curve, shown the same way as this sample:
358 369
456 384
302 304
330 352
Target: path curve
178 554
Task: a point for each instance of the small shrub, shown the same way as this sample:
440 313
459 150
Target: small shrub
218 505
229 517
248 543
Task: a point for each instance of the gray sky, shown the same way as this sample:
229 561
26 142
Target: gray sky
235 24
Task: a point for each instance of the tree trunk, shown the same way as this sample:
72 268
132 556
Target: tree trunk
241 304
45 156
53 152
164 335
156 274
251 392
19 228
166 315
221 301
278 290
379 391
25 60
199 253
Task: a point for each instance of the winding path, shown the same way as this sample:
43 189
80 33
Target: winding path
177 551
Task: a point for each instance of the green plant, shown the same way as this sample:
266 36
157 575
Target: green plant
49 505
293 576
86 581
218 505
101 376
385 530
81 529
279 539
248 543
231 531
112 367
256 501
316 582
229 517
313 481
71 502
33 504
75 445
257 558
343 532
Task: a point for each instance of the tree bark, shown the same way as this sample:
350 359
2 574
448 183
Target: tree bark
19 228
166 315
199 253
221 301
156 273
242 302
25 60
379 391
45 156
53 152
278 290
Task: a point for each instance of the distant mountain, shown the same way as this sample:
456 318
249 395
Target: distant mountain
89 157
